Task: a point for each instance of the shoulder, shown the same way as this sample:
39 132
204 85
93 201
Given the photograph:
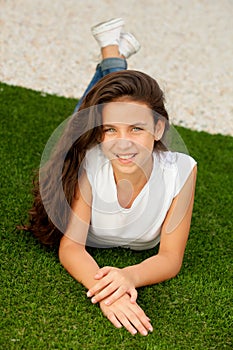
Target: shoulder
183 158
93 160
176 167
174 160
97 166
186 166
83 188
93 154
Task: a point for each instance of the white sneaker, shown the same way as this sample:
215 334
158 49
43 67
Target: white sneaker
108 33
128 45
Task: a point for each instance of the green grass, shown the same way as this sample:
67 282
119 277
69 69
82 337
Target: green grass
44 308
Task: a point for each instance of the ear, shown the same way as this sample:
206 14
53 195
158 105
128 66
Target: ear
159 130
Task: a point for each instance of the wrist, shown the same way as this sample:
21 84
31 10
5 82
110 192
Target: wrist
131 272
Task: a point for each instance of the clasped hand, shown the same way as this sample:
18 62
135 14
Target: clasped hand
117 295
112 284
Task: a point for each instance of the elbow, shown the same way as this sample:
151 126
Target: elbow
175 264
61 253
69 249
65 250
175 267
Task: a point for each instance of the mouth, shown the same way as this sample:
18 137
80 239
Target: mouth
126 158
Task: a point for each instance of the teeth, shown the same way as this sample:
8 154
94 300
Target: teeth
126 156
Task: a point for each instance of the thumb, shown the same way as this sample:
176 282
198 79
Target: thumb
133 295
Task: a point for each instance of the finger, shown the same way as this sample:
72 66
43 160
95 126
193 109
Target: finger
126 323
98 287
119 292
102 272
141 321
112 318
133 295
105 293
135 323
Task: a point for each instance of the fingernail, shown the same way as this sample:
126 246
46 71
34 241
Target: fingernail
151 329
144 332
88 294
93 300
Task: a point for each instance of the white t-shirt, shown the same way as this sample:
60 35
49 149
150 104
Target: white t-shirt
139 226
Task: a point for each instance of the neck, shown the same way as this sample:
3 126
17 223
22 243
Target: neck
138 177
130 185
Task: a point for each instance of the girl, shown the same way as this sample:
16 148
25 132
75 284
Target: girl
111 181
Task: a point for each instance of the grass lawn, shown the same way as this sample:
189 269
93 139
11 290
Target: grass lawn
44 308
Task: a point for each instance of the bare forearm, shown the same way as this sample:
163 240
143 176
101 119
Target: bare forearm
80 264
154 270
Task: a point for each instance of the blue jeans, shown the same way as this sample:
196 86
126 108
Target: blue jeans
106 66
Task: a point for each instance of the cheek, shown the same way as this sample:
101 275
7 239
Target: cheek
106 144
148 143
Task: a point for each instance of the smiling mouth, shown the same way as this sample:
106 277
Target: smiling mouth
126 156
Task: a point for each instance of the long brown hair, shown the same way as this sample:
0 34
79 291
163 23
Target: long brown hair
83 131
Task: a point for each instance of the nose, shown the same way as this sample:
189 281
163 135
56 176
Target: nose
124 143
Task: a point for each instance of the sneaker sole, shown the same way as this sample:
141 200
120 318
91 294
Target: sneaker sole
132 40
102 27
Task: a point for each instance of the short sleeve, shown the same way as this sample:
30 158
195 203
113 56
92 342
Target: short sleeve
185 165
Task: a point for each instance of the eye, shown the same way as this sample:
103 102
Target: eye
109 130
137 129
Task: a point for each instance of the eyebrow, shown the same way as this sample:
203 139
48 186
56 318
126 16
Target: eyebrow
137 123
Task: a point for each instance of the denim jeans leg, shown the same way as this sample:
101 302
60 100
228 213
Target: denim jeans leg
106 66
96 77
113 64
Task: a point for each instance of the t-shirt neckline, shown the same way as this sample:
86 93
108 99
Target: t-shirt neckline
139 196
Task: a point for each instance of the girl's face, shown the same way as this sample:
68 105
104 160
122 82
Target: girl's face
129 133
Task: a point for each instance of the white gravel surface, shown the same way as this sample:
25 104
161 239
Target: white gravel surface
187 45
